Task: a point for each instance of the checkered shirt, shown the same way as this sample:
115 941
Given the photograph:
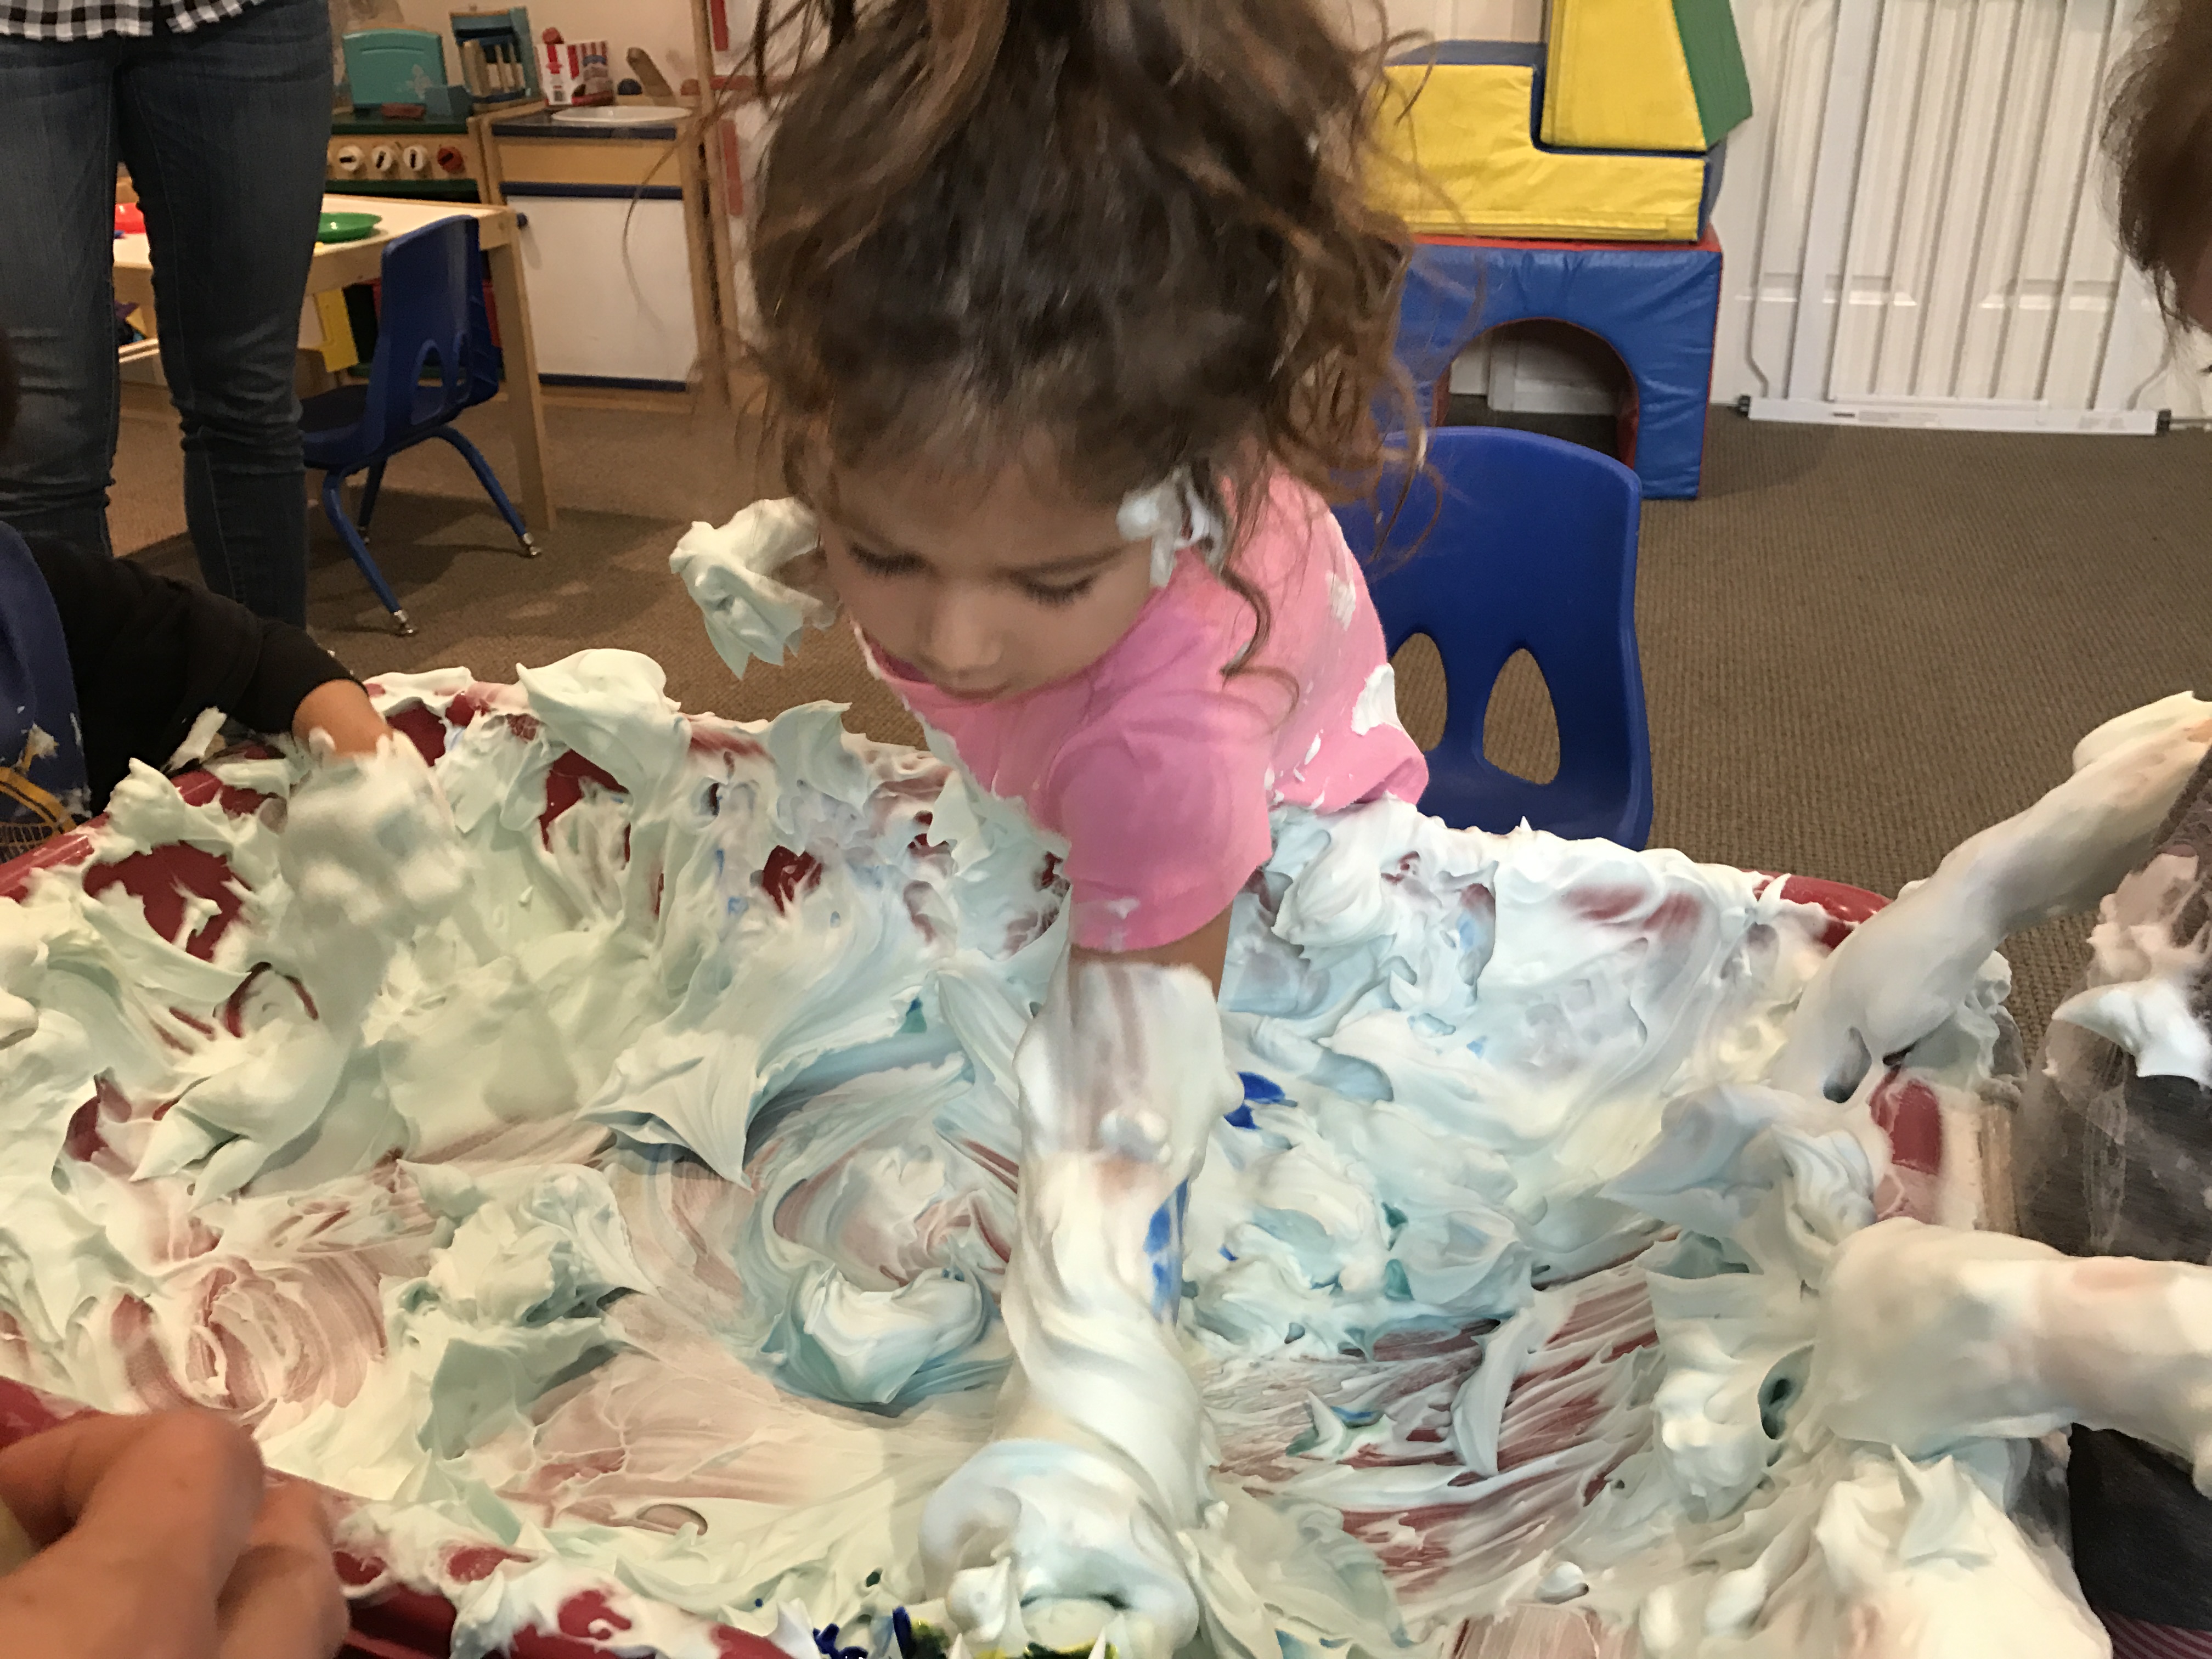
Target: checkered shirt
91 20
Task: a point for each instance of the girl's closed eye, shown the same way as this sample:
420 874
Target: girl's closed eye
884 564
1059 593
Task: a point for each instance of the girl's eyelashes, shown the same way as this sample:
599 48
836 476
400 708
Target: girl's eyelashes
882 564
1057 596
906 564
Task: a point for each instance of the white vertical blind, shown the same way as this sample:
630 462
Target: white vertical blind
1919 220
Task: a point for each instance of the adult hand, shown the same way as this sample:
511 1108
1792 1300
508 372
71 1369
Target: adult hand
162 1539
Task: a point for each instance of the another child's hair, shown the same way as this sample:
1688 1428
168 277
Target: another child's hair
2161 133
1135 232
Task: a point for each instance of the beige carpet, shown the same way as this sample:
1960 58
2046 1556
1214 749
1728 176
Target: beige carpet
1860 646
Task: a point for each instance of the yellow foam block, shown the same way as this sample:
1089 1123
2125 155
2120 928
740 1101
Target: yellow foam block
1464 164
1617 77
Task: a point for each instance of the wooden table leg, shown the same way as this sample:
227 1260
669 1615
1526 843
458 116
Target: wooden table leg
525 403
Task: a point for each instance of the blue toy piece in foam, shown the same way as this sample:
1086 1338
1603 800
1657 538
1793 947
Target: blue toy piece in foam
1657 305
1512 541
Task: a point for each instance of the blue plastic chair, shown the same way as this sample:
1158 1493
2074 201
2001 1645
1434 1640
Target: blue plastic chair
1510 541
433 311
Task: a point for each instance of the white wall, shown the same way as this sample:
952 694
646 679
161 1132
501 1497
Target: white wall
1471 20
663 27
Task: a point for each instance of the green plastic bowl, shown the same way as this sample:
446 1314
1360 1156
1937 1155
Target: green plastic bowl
346 227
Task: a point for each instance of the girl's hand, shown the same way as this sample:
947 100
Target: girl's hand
163 1538
342 712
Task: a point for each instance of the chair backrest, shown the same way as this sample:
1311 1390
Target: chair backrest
432 307
1510 541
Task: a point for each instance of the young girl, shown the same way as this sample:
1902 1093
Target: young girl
1072 310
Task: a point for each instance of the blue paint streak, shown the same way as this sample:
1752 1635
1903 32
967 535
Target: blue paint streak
1167 1288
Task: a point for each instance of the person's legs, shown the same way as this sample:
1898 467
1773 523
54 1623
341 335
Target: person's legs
225 131
56 284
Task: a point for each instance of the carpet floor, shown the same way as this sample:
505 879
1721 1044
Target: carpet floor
1859 647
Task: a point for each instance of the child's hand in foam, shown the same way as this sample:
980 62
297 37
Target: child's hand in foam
1929 1337
1909 968
372 854
756 580
337 718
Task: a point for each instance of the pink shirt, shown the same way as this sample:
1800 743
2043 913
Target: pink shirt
1159 771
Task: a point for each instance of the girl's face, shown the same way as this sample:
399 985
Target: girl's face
988 587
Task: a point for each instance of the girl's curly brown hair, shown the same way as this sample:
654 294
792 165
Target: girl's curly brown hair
1134 231
2161 133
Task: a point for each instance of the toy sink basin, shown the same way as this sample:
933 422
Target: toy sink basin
623 115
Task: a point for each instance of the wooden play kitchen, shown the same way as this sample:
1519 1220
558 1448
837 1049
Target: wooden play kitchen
612 207
624 200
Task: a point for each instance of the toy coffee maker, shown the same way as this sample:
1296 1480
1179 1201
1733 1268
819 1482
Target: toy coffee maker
574 72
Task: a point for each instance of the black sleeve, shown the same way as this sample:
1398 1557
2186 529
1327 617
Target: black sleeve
150 654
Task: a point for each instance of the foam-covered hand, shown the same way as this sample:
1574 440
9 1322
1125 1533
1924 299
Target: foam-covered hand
372 854
1930 1336
732 574
1909 969
371 857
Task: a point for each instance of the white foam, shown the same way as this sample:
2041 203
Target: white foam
636 1201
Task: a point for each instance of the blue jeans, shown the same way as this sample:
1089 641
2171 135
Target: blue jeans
224 130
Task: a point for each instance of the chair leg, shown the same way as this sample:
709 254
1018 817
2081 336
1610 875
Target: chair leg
489 480
334 510
368 497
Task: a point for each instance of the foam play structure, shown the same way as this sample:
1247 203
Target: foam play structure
1642 75
1472 162
1574 180
1656 304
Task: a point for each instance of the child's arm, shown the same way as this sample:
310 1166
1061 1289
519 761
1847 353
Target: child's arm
1909 968
150 655
1205 950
